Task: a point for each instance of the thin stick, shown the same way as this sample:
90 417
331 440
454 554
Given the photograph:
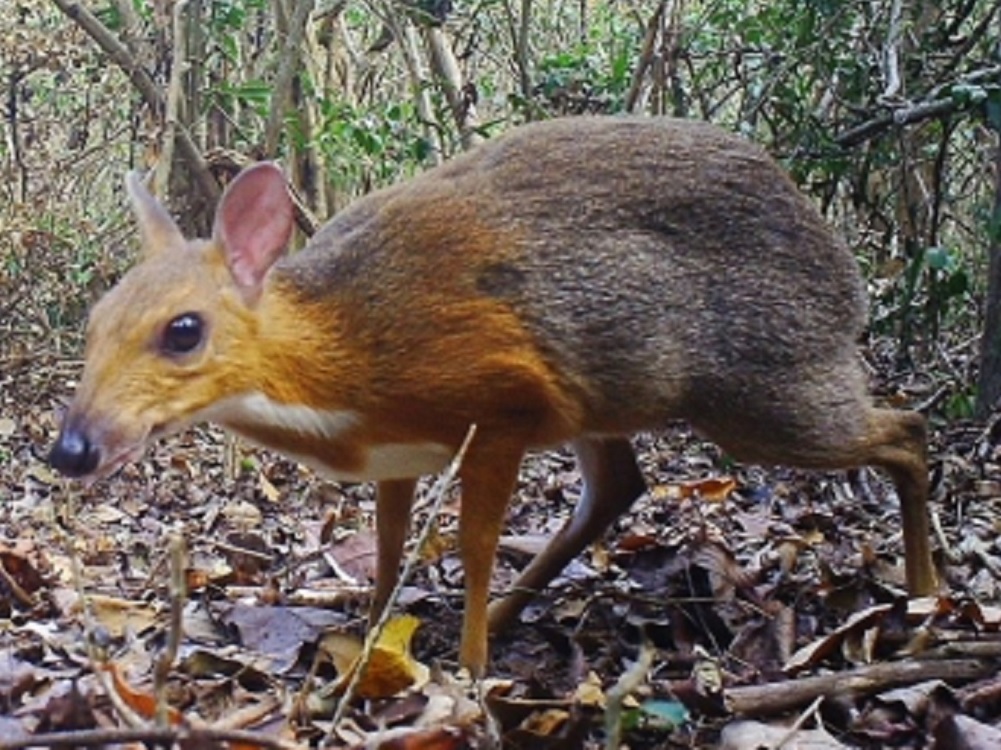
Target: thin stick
798 724
196 736
178 594
626 684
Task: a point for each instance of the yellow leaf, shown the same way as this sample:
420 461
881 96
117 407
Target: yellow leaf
391 667
268 489
590 692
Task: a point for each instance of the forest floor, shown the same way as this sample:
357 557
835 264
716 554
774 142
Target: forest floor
734 606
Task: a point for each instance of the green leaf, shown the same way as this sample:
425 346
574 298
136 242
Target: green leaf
992 109
110 16
968 93
938 258
661 714
958 283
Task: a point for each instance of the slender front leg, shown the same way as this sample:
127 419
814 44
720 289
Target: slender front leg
393 501
488 476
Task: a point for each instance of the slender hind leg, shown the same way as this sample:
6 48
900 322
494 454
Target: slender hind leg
828 424
897 442
612 482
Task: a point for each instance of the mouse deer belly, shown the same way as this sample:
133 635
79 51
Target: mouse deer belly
335 443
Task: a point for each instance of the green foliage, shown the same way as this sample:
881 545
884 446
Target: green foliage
799 75
255 95
948 281
231 15
960 404
592 75
368 147
111 16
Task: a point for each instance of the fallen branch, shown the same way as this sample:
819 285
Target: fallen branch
777 697
190 736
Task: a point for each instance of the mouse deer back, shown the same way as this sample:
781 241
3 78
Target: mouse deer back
573 281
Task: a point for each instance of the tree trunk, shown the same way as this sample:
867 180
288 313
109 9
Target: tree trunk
989 383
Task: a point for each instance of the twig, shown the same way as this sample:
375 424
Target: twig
774 697
403 30
949 552
189 736
653 30
519 43
174 632
798 724
264 557
891 55
626 684
438 494
899 117
936 105
446 69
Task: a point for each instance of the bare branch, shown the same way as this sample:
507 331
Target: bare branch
779 697
446 67
938 103
175 97
291 55
653 30
891 54
147 88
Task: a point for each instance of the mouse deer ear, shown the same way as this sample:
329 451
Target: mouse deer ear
253 223
156 226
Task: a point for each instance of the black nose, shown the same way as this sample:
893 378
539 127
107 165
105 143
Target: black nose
73 454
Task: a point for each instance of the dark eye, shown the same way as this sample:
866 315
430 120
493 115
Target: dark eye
183 334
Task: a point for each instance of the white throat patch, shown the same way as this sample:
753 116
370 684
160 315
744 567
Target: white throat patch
258 408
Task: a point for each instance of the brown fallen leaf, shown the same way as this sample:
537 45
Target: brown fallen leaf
436 738
710 489
959 731
856 626
145 705
119 615
141 702
19 576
